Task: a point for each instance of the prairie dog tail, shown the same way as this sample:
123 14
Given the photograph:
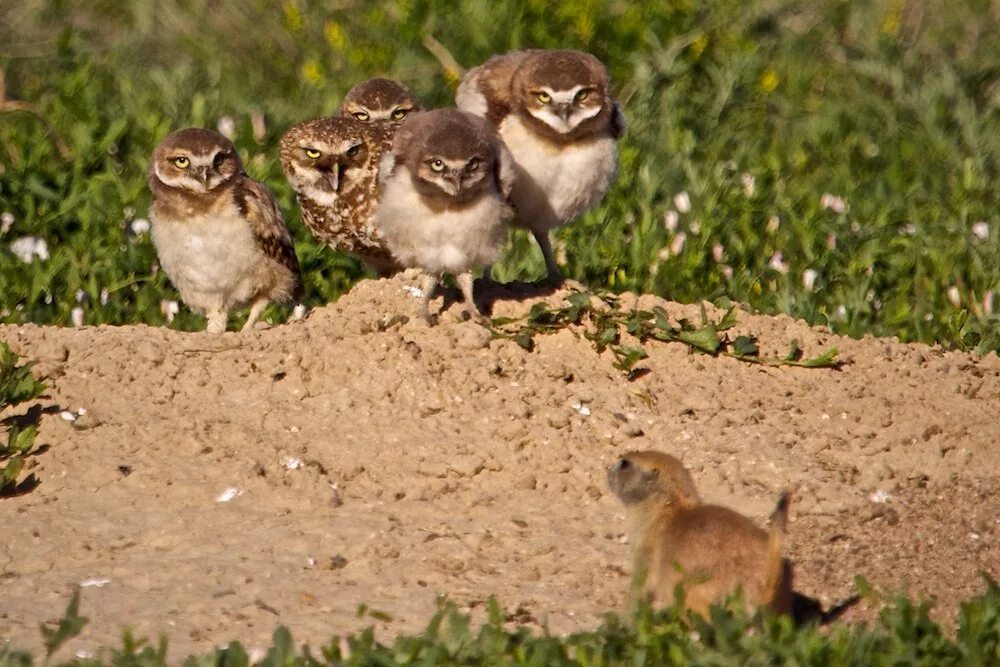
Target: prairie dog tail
774 591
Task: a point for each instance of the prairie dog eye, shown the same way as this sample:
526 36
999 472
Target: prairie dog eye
582 95
472 164
313 154
399 114
437 165
544 98
361 115
354 150
181 162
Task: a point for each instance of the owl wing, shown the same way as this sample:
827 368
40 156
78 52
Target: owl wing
260 210
486 90
618 123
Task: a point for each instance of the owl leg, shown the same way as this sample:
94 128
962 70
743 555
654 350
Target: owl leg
217 318
554 275
429 284
465 282
255 310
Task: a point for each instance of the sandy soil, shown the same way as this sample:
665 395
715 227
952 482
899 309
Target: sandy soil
390 465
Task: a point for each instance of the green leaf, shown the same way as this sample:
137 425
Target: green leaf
704 339
69 626
744 346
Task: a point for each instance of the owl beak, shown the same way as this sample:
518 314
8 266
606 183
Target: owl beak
333 177
564 111
203 177
453 181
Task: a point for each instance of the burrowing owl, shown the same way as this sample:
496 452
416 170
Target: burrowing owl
444 198
554 112
332 164
219 234
379 100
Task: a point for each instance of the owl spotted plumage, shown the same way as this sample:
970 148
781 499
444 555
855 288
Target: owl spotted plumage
554 112
332 164
218 233
379 100
444 198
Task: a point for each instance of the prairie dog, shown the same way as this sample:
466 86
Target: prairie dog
709 549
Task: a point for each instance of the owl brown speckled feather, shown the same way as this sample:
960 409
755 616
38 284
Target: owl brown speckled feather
554 111
332 164
218 233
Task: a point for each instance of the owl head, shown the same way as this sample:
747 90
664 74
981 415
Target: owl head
563 95
379 100
451 155
324 157
195 160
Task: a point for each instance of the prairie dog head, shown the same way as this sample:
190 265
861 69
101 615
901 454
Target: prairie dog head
649 478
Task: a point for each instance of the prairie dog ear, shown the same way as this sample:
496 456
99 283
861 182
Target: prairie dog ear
618 123
386 165
506 172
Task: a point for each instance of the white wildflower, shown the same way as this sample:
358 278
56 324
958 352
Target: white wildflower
981 230
831 241
832 203
809 278
908 229
727 271
227 127
299 311
749 184
682 202
677 245
139 226
777 262
6 221
169 309
773 223
80 296
27 248
105 296
718 252
695 227
670 220
841 311
988 302
954 296
76 315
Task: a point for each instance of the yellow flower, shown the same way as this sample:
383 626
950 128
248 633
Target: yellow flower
293 16
312 72
698 46
335 36
769 80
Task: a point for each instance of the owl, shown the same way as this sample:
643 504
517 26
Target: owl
218 233
332 164
379 100
445 189
554 112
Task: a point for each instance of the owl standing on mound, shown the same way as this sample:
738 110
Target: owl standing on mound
554 112
332 164
445 189
218 233
379 100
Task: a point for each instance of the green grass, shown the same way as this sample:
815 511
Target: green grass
753 110
904 634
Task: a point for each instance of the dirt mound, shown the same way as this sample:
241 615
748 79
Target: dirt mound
217 486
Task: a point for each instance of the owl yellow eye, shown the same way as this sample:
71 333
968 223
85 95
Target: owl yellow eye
399 114
544 98
313 154
361 115
354 150
437 165
582 95
181 162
